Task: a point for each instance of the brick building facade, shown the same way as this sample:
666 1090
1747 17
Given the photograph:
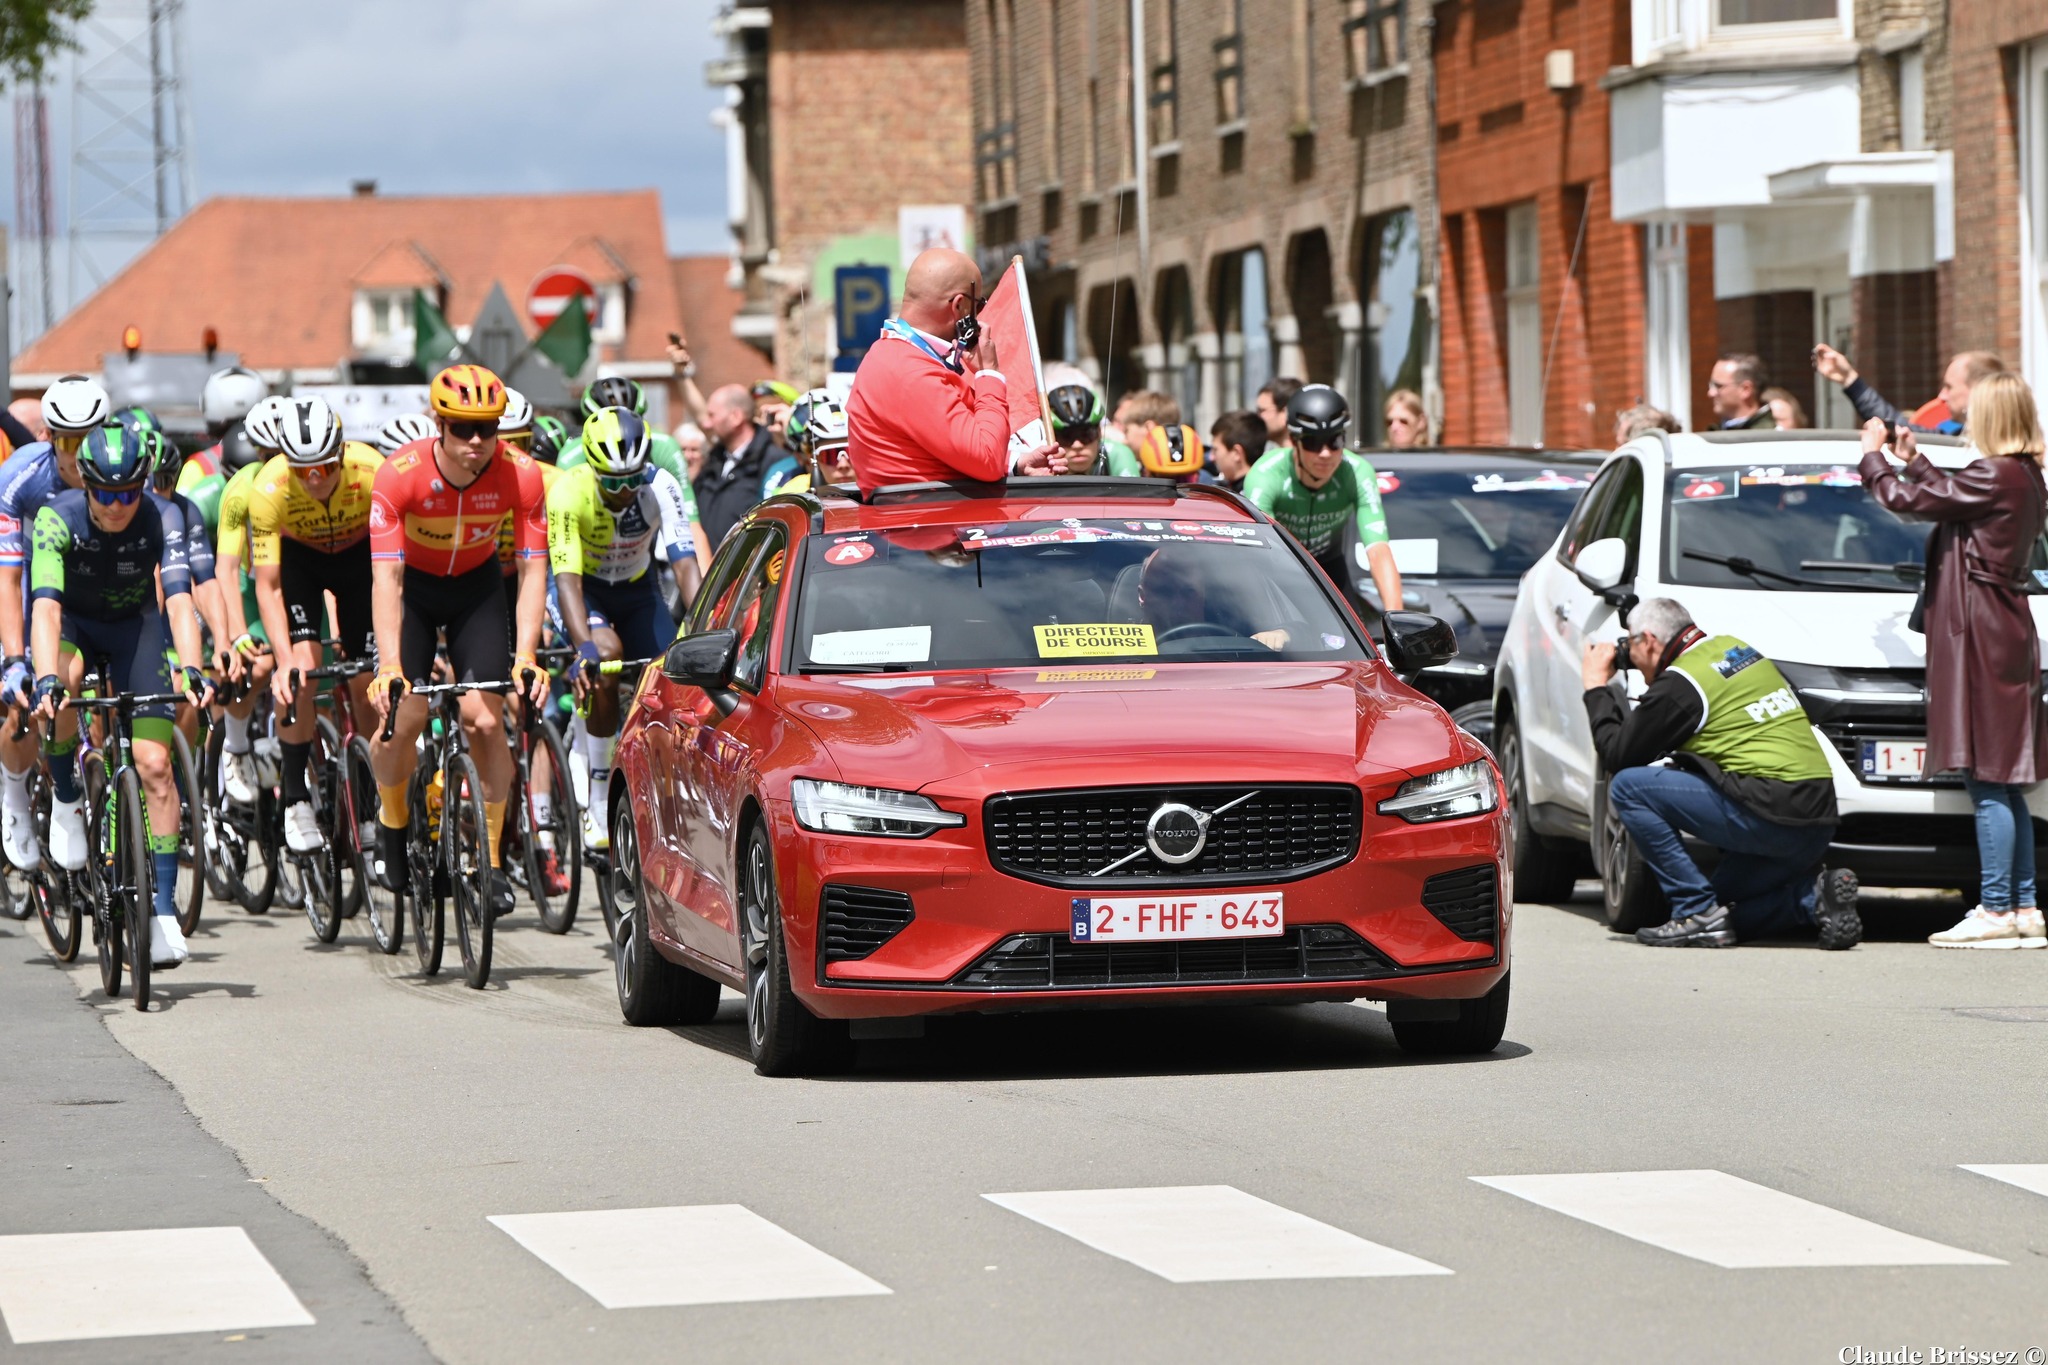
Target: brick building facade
1270 211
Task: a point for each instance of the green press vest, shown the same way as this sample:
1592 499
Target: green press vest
1755 726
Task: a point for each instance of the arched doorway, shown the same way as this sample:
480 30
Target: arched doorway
1310 292
1174 304
1113 337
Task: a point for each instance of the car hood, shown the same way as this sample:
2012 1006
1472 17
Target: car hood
1835 629
1186 722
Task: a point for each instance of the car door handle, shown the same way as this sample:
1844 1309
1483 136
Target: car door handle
1561 612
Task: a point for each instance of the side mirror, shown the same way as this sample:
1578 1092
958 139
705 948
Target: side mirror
703 660
1602 565
1417 640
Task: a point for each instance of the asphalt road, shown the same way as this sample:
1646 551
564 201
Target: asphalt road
1281 1183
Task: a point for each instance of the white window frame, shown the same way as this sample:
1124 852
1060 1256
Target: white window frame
1667 319
610 327
396 305
1661 28
1523 296
2033 210
1841 26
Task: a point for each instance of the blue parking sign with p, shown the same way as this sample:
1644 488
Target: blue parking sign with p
860 295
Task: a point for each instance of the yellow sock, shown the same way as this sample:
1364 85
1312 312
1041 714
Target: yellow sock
494 825
391 812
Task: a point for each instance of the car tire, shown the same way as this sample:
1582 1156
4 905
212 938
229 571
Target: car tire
653 992
784 1038
1630 895
1543 872
1475 718
1479 1027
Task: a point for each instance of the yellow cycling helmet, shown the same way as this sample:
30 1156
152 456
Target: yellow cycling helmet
1171 452
467 393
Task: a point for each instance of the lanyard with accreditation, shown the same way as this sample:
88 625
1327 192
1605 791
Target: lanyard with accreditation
897 327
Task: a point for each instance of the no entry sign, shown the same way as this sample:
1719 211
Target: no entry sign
551 291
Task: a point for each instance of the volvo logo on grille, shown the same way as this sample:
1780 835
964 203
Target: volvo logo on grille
1176 833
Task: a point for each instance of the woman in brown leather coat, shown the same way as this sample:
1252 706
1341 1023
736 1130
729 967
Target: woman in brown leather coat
1984 711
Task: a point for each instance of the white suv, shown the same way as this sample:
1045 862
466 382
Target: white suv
1767 536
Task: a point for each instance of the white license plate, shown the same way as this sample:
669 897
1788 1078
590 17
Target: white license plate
1138 919
1894 760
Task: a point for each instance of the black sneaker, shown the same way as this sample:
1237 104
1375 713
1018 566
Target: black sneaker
389 859
498 893
1835 911
1708 929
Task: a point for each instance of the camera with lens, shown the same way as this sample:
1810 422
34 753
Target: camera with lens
1621 663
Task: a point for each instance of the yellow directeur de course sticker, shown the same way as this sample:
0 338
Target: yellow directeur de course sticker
1067 675
1068 642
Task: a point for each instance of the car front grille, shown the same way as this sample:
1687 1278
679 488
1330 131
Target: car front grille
1467 902
1308 952
1068 838
856 920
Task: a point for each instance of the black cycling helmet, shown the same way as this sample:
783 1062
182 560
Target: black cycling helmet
1075 405
549 436
1318 415
237 451
614 391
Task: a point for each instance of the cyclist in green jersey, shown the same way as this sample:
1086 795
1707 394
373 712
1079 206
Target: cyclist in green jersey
615 392
1317 487
1077 416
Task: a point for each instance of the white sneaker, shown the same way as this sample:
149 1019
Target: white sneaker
18 835
166 942
238 778
67 834
595 835
301 831
1980 928
2028 924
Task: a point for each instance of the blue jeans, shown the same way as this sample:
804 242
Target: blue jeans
2005 843
1767 876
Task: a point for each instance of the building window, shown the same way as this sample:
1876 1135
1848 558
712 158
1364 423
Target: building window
1744 13
382 323
1374 40
1244 323
1054 93
1230 66
1164 98
1912 101
1397 320
1301 32
2033 121
610 327
1524 299
995 145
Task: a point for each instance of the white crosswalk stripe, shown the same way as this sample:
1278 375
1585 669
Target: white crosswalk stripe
1727 1221
1195 1233
665 1257
2028 1177
80 1286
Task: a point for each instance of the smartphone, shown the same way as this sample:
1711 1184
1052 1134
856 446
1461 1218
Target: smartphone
967 333
675 338
1891 433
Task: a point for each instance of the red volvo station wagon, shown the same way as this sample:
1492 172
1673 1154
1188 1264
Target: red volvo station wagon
1045 743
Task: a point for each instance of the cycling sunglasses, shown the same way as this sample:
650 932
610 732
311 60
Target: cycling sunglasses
116 497
472 431
1078 435
618 483
1313 445
319 471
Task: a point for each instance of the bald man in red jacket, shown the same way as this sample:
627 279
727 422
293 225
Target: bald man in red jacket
920 411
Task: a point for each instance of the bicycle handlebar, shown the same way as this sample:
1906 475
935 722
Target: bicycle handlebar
391 712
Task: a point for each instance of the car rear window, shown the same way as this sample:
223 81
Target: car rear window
1022 594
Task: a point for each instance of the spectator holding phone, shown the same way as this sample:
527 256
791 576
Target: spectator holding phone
1948 414
1985 716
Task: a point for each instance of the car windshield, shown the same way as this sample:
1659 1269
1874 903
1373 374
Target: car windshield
1798 527
1061 594
1452 523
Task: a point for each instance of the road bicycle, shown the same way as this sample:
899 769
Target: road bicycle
343 788
528 837
603 867
243 845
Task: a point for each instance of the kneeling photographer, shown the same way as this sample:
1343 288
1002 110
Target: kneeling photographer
1717 747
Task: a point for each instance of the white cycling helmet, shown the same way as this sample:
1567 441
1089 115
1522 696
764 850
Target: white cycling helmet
75 404
827 424
230 394
311 433
518 414
262 425
403 430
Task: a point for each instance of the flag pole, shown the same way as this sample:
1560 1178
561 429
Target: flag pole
1031 332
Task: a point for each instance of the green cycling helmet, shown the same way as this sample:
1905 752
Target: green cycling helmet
113 457
165 459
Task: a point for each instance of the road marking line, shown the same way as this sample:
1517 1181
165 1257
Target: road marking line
666 1257
1727 1221
81 1286
2034 1177
1194 1233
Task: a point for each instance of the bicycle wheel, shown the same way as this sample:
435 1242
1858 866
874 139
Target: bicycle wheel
192 877
95 881
429 919
465 853
15 900
358 813
131 880
321 869
337 816
226 856
562 830
60 912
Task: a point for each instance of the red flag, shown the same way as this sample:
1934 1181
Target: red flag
1006 317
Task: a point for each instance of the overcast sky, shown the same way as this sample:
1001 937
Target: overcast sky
447 96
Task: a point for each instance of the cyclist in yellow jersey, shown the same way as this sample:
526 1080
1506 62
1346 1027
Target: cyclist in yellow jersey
244 452
309 535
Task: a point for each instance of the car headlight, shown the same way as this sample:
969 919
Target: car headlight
1454 792
837 808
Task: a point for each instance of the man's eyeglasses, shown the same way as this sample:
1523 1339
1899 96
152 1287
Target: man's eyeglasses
618 483
1312 445
1081 435
472 431
116 497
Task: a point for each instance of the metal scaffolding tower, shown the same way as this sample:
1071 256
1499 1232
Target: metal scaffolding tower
131 135
34 217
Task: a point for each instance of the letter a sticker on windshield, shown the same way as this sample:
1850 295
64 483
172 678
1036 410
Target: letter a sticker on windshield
1071 642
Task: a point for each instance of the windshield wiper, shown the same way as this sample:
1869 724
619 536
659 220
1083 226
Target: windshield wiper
1750 569
861 668
1905 569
